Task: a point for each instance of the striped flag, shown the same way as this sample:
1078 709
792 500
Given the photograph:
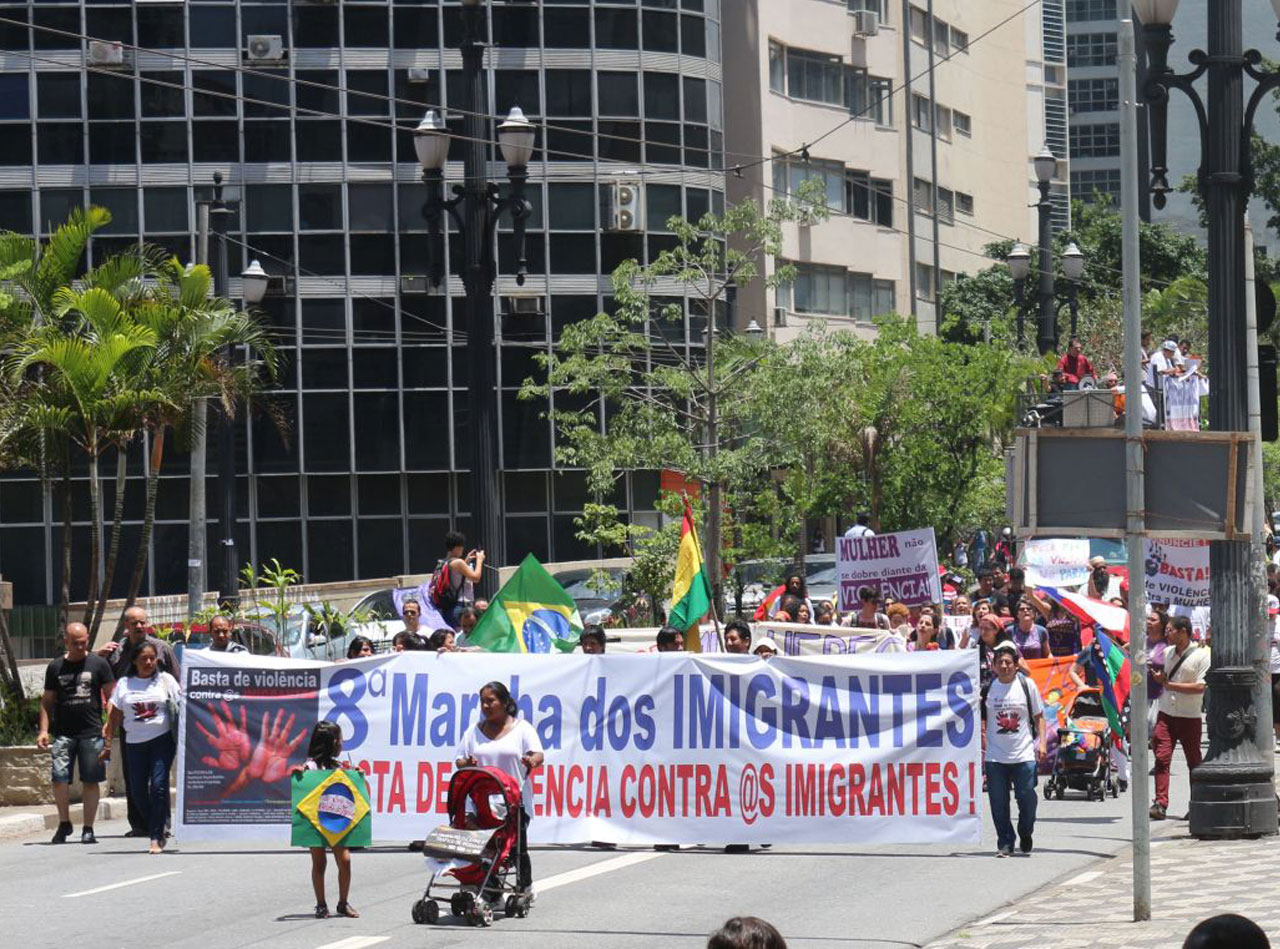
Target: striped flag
1111 666
691 593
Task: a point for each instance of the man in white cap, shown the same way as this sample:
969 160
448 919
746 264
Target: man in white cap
1166 361
766 648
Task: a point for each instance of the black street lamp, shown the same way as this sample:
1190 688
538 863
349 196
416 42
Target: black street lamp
1046 166
1019 263
1232 794
475 210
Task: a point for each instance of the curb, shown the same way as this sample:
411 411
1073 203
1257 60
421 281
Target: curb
23 825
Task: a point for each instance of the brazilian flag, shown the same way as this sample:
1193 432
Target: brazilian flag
331 809
531 613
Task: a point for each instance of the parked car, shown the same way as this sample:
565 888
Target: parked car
762 577
382 623
597 601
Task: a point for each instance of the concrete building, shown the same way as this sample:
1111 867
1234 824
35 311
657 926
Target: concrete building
921 170
314 138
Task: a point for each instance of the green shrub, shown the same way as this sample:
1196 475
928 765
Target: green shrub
19 719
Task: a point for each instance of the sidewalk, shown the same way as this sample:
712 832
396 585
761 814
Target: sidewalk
1190 881
23 821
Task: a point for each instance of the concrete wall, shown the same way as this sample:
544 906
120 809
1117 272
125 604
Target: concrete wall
24 777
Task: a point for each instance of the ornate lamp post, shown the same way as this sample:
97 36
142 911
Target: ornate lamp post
475 210
1232 794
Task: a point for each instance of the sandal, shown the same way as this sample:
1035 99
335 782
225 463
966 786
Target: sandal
322 911
346 909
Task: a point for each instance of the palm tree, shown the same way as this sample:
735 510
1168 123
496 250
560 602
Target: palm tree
193 332
86 389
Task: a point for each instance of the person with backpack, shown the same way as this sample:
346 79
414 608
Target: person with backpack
1013 716
450 592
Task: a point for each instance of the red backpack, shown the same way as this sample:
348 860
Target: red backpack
442 594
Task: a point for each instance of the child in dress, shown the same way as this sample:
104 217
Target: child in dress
322 755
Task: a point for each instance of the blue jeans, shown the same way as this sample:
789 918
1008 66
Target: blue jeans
148 765
1021 778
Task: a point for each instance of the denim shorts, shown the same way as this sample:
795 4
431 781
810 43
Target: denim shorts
83 752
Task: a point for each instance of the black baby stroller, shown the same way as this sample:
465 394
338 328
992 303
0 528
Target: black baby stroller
478 848
1083 762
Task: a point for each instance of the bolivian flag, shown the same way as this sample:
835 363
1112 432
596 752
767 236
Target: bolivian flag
691 594
531 613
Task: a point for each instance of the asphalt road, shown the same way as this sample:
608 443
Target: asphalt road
205 896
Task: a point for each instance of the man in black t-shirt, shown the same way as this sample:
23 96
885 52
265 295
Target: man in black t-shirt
71 712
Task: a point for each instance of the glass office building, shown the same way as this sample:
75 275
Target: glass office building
315 142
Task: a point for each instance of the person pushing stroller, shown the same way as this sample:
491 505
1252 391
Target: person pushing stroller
503 740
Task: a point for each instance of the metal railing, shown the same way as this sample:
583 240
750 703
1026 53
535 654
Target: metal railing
1041 406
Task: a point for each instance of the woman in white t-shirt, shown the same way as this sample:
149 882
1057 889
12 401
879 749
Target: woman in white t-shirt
146 703
507 742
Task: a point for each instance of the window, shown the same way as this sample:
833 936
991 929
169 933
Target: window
963 123
618 93
922 191
569 92
790 173
941 38
920 113
870 6
816 77
777 68
819 289
946 206
869 298
1084 11
59 95
959 40
1095 141
1088 184
924 281
944 123
870 199
1093 95
964 203
870 97
919 26
1091 49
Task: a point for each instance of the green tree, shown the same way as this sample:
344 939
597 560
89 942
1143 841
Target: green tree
668 405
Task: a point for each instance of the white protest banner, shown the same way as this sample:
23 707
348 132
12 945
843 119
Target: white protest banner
664 748
903 566
1177 571
1056 561
809 639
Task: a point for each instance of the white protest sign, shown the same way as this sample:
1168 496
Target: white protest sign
1177 571
663 748
808 639
1056 561
903 565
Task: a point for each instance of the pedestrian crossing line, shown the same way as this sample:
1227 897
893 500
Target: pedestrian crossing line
595 869
116 886
1083 878
355 942
996 918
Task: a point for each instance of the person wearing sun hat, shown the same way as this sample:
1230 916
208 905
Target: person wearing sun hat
765 647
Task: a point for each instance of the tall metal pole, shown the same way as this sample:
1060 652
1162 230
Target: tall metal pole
1046 320
911 166
1135 501
1262 697
933 171
228 585
478 276
197 509
1231 792
712 546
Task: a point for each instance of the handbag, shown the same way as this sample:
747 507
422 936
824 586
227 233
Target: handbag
174 708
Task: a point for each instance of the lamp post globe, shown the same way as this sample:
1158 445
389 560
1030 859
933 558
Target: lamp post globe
1160 12
515 136
253 283
1019 261
431 142
1073 260
1046 165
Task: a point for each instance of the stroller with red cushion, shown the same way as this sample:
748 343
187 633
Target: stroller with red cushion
1083 762
478 848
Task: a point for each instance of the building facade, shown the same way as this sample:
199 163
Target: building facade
920 136
307 111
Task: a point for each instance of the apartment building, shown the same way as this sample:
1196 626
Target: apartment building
921 167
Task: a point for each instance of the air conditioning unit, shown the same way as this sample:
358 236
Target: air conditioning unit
779 316
264 48
418 74
865 23
523 305
626 206
102 53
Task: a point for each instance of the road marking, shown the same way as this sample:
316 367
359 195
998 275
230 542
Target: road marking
996 918
116 886
355 942
595 869
1083 878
